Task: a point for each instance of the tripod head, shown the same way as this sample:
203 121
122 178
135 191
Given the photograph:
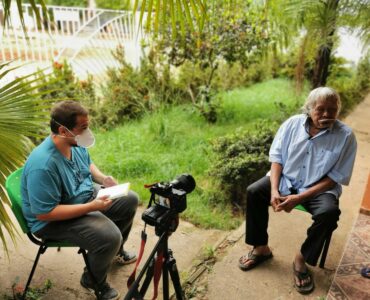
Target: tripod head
163 211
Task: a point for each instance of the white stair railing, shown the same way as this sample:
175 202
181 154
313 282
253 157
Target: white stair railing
83 37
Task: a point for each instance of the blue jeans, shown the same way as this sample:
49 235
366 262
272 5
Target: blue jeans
102 234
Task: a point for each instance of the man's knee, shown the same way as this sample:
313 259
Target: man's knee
108 237
132 201
252 189
329 217
256 188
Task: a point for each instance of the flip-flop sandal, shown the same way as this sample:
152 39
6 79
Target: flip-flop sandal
308 287
365 272
257 259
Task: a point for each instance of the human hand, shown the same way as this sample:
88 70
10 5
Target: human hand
109 181
101 203
287 203
275 199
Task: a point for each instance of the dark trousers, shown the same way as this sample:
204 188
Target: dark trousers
102 234
324 209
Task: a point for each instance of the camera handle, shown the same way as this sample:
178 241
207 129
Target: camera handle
168 267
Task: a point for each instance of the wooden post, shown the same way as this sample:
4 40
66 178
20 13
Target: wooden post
365 206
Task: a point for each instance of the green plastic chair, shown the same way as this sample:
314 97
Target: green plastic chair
12 185
326 243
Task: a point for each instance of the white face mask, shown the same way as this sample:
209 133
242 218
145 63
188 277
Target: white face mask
86 139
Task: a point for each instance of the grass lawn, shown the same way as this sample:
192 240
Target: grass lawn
176 140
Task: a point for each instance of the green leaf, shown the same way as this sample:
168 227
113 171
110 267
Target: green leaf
22 114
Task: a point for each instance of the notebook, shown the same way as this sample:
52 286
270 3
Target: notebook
115 191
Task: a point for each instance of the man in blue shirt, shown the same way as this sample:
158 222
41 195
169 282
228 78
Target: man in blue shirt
59 187
311 156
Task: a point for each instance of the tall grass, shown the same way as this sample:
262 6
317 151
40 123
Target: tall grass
176 140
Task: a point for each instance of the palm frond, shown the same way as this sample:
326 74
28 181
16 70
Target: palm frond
22 115
39 18
189 15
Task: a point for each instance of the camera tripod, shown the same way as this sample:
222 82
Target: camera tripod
151 269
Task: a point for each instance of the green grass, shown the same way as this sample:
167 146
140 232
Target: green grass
177 140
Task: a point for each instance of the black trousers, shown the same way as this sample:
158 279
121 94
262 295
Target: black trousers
324 209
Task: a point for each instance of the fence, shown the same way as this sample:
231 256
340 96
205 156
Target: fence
84 37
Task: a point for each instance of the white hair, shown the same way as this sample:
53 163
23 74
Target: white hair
320 94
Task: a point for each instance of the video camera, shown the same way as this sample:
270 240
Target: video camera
172 201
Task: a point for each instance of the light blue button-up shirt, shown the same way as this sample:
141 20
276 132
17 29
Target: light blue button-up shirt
306 160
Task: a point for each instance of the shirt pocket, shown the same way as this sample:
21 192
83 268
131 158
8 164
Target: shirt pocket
326 159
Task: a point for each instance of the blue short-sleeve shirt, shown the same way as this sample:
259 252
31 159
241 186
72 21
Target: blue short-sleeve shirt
50 179
307 160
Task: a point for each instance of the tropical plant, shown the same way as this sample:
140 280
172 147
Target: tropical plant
188 15
316 23
231 34
22 113
7 4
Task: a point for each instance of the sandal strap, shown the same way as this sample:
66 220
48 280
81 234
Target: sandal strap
302 275
251 255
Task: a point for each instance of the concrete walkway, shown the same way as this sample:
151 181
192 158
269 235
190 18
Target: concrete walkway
274 279
64 268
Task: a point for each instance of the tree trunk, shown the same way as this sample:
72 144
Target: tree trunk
321 69
322 60
299 69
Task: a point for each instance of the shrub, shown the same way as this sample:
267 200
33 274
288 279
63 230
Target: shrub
126 96
80 3
231 76
242 159
362 74
62 84
352 87
129 92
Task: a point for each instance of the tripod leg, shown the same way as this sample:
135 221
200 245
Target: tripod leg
133 290
166 291
175 277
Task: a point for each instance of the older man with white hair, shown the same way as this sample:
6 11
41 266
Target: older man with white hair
311 156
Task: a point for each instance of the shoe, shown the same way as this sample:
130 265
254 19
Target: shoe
105 292
125 258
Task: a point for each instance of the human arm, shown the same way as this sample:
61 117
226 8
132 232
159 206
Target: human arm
100 178
276 159
66 212
44 190
275 174
290 201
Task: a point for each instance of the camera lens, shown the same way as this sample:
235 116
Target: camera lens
184 182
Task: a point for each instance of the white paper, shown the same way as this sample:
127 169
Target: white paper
115 191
